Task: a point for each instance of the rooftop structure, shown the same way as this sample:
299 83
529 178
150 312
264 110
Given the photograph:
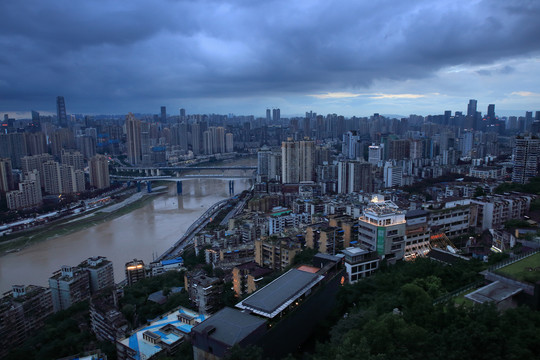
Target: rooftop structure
497 292
163 334
280 293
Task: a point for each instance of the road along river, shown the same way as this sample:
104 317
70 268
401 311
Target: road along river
144 233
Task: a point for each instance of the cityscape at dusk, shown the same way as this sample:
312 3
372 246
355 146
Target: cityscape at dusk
309 180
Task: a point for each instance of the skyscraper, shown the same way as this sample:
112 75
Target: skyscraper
268 116
276 116
133 131
163 114
297 161
61 111
526 157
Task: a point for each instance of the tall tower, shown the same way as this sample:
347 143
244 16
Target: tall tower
268 116
133 130
471 108
163 114
61 111
276 116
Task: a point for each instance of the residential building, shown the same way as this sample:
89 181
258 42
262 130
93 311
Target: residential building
22 311
297 159
101 273
72 158
98 167
325 239
134 146
276 253
204 291
526 158
381 228
354 176
359 263
282 218
28 195
6 175
135 271
491 212
106 320
247 276
349 226
68 286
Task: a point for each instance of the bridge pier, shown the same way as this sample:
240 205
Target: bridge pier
158 172
138 186
231 187
146 172
179 187
149 186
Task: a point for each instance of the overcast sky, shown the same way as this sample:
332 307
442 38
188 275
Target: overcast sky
345 57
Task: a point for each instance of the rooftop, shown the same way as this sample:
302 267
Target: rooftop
146 349
229 326
494 292
280 293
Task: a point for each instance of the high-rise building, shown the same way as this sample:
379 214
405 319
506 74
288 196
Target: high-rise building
196 138
133 131
393 174
61 111
163 118
62 139
68 286
375 154
268 116
100 271
297 159
135 271
276 115
229 143
13 146
22 312
36 143
36 121
6 175
72 158
36 162
28 195
526 158
354 176
52 176
471 108
98 167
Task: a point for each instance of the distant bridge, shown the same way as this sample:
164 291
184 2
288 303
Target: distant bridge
183 177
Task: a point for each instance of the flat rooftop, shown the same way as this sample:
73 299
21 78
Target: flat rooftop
229 326
280 293
494 292
146 349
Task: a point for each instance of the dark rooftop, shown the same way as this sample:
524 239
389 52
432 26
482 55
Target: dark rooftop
287 287
229 326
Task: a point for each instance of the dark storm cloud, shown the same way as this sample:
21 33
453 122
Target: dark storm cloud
115 54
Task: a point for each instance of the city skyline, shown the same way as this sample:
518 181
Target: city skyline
232 57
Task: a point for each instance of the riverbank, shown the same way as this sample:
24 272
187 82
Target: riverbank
71 225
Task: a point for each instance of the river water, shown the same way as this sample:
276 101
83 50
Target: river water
144 233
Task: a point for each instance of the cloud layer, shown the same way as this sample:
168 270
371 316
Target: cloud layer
117 56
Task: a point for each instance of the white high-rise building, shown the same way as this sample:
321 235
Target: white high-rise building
375 154
393 174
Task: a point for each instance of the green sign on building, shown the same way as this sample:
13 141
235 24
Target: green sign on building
381 235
